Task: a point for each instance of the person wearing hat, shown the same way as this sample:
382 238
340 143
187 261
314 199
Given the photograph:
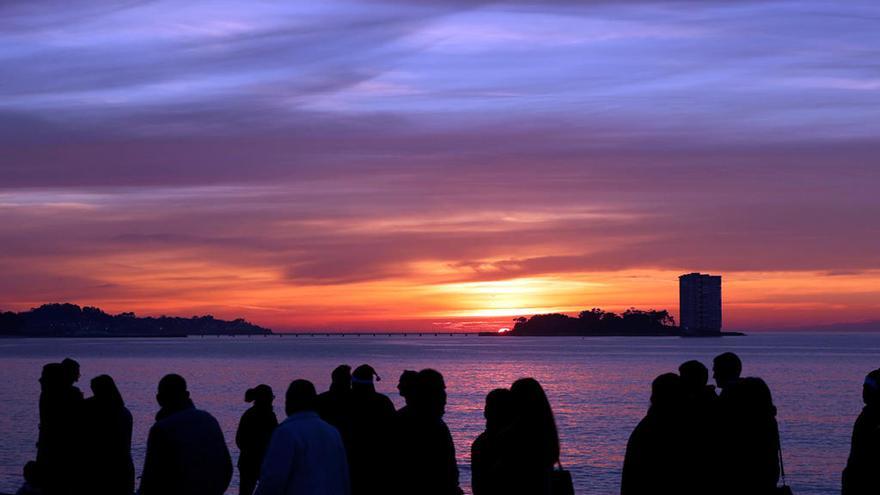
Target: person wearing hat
253 435
862 473
371 416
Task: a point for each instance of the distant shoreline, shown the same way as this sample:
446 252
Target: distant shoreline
358 334
618 334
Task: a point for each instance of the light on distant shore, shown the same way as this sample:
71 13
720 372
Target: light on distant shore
503 330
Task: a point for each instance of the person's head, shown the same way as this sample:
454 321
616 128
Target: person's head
104 389
172 391
666 392
535 416
340 378
300 397
31 473
694 375
260 395
752 400
499 410
726 369
52 377
362 377
71 370
430 393
871 389
407 384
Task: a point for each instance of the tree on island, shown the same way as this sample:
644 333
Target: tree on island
598 322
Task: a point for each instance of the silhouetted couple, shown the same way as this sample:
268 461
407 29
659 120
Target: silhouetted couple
404 452
691 442
84 445
517 452
364 419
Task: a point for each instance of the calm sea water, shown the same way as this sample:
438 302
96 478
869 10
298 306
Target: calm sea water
599 387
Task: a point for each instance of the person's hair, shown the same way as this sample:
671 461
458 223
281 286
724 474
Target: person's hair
499 409
875 376
52 377
172 390
341 374
260 394
429 393
535 417
694 374
105 390
71 370
730 363
365 373
407 383
666 392
300 396
752 399
871 388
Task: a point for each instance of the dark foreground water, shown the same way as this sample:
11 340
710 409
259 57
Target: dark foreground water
599 387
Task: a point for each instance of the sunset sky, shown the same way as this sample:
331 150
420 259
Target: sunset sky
440 164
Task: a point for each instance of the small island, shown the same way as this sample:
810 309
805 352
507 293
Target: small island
596 322
70 320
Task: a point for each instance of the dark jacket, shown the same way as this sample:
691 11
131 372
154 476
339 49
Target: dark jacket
186 455
58 449
652 464
367 440
748 446
485 456
425 456
526 459
107 468
862 473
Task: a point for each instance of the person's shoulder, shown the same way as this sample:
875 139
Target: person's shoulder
205 416
479 441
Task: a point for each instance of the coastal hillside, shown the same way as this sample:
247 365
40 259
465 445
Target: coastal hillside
70 320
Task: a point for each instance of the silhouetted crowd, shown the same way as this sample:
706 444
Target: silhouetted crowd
351 439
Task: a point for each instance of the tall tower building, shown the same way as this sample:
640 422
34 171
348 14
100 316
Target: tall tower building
700 304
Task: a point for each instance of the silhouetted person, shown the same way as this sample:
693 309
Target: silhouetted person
486 451
306 455
51 417
652 464
186 452
60 411
252 437
698 414
862 473
107 468
371 416
425 452
750 455
406 385
31 484
530 446
726 370
334 405
70 369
